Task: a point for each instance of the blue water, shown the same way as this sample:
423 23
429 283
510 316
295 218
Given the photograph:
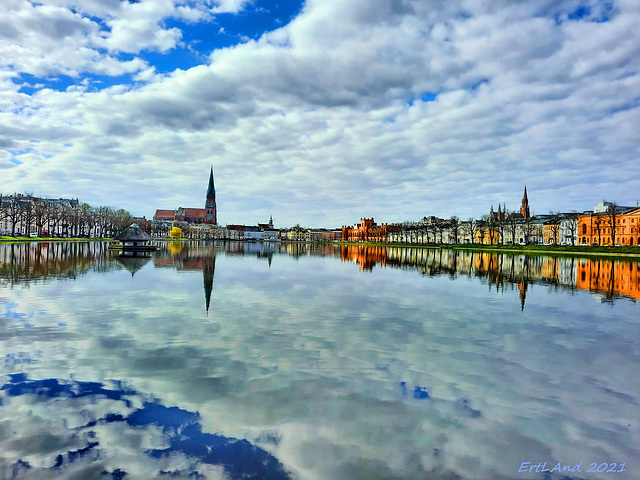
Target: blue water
312 362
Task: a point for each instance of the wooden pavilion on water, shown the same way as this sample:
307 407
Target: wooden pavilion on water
133 239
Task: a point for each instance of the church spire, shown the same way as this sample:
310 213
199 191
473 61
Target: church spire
524 208
211 212
211 191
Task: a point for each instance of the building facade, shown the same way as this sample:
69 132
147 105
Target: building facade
192 216
366 231
619 227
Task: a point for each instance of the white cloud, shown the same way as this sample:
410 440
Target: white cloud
316 117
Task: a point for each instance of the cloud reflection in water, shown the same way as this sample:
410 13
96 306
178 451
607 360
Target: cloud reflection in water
182 432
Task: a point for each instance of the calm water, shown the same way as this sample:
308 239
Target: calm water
315 362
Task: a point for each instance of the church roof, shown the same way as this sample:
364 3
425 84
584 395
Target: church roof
164 214
194 212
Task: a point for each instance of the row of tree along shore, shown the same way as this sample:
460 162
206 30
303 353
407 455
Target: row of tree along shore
25 215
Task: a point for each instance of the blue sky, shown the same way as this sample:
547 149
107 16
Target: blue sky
322 112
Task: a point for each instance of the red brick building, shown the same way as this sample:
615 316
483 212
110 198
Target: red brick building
367 231
207 215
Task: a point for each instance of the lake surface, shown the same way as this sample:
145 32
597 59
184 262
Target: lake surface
257 361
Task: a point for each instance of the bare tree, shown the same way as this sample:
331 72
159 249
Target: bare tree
529 229
40 213
501 225
554 224
28 213
512 226
441 226
454 224
612 219
491 230
54 218
572 221
472 228
482 230
597 224
2 213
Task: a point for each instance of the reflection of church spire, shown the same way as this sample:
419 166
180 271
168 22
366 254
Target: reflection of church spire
522 286
208 270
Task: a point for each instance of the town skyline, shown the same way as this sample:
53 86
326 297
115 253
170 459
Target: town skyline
322 112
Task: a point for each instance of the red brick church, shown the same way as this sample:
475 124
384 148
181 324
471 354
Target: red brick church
207 215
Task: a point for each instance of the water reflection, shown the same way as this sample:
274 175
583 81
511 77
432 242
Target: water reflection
81 445
608 278
183 256
133 261
313 363
24 263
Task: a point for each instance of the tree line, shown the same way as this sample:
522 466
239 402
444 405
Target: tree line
25 214
494 229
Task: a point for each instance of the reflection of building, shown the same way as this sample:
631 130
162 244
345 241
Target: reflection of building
366 257
208 270
522 286
189 258
609 277
207 215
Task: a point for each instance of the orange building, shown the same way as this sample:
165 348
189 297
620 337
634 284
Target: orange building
367 231
551 232
595 228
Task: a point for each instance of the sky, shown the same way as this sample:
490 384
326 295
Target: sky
321 112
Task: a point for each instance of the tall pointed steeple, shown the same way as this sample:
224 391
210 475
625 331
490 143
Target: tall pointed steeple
211 213
524 208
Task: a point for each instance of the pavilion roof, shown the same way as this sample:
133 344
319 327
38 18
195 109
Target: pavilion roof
133 233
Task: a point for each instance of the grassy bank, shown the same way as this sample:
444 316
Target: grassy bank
633 252
7 239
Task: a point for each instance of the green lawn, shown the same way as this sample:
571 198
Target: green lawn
9 239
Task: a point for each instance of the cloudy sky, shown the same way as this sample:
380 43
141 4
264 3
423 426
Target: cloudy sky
319 112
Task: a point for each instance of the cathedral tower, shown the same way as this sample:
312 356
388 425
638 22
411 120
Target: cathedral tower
524 208
211 214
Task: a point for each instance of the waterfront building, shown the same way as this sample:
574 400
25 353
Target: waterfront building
296 235
367 231
192 216
595 227
28 214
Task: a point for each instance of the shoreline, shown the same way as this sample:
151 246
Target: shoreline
534 250
57 239
572 251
